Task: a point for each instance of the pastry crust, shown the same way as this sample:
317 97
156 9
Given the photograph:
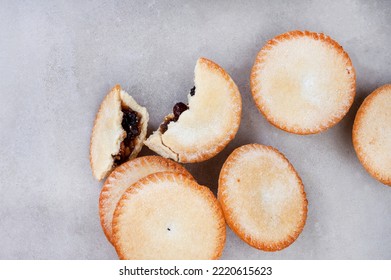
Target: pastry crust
209 124
303 82
372 134
262 197
107 133
168 216
124 176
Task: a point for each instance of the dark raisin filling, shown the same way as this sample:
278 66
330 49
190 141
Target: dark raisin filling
192 91
164 126
131 124
177 110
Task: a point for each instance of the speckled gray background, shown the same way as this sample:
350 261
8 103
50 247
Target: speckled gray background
58 59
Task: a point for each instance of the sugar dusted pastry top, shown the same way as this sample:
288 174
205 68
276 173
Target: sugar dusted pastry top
168 216
372 134
209 124
303 82
123 177
262 197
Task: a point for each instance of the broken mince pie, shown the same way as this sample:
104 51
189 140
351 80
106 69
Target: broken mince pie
119 132
201 129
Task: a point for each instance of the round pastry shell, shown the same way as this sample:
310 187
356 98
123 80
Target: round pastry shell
259 96
199 226
369 157
233 216
123 177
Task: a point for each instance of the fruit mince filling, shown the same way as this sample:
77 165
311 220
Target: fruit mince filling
192 91
177 110
131 124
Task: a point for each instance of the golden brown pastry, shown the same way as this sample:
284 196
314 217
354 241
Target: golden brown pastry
201 129
168 216
126 175
262 197
303 82
372 134
118 133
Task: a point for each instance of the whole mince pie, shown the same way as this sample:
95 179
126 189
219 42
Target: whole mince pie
303 82
372 134
119 132
126 175
201 129
166 216
262 197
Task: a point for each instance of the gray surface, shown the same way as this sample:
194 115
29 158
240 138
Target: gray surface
58 60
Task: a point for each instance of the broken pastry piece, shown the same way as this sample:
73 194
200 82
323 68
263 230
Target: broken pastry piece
201 129
119 132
